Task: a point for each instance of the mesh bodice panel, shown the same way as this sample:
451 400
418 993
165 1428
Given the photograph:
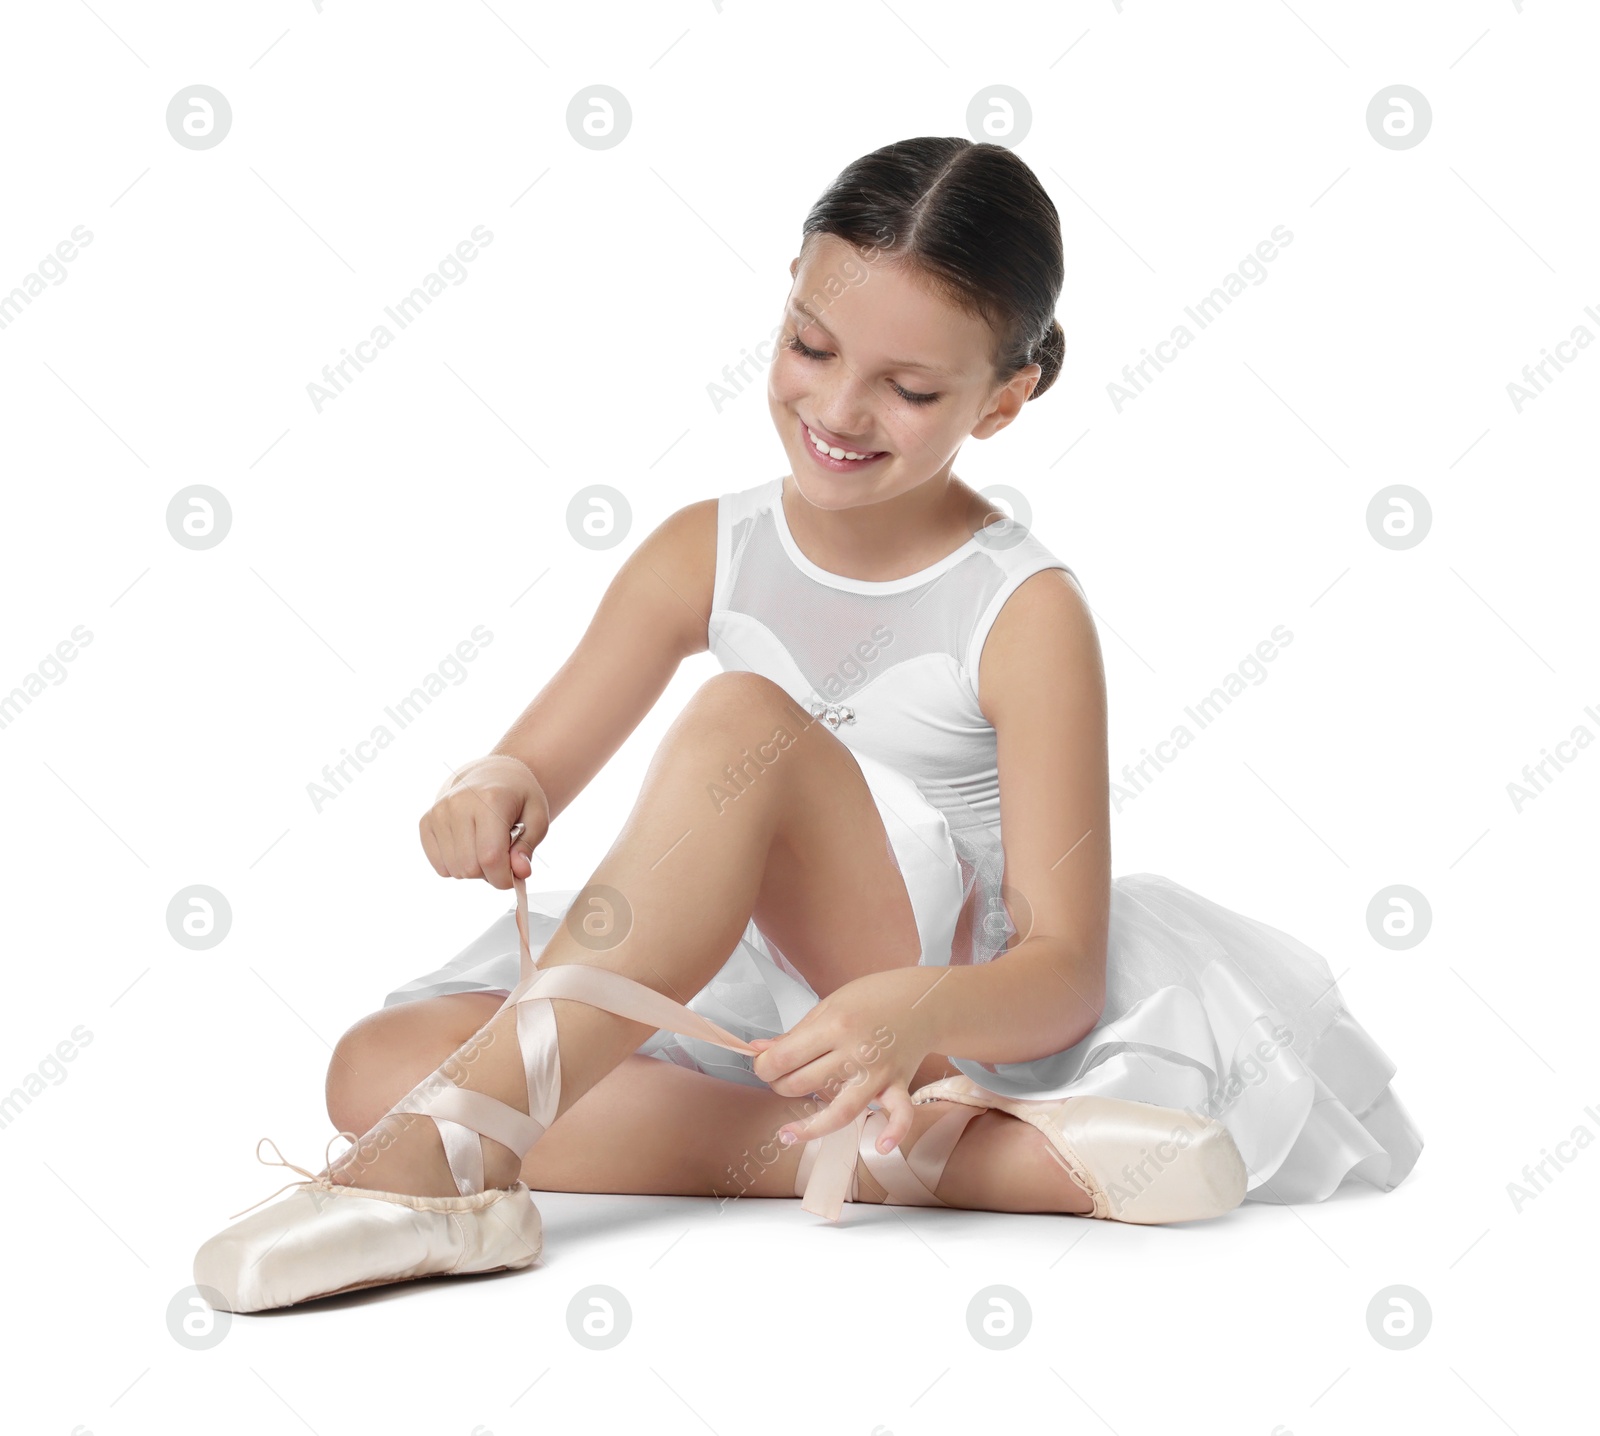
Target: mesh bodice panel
897 661
841 640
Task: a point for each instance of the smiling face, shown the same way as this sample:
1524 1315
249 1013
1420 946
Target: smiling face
872 362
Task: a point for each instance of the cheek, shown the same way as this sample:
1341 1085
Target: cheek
786 379
922 432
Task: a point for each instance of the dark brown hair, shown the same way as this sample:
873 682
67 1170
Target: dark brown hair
974 219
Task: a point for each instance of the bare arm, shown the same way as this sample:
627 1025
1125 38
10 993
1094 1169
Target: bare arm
651 618
653 615
1042 686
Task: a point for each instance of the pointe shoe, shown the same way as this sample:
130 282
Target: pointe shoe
909 1179
328 1238
1137 1161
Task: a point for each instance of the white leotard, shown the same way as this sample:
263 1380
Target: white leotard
901 654
891 665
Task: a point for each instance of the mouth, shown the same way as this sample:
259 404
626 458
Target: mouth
823 450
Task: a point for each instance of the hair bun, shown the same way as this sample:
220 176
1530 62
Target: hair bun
1048 354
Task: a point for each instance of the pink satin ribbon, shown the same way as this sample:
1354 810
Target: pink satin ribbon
830 1182
828 1164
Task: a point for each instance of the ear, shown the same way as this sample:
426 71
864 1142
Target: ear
1007 402
794 265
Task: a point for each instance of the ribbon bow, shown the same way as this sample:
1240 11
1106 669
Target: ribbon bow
318 1179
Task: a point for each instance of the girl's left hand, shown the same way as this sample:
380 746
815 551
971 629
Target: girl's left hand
862 1043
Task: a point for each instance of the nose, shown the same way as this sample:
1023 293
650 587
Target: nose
847 407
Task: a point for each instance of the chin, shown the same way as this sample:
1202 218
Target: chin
846 491
830 491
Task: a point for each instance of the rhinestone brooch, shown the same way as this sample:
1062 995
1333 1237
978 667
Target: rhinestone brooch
833 714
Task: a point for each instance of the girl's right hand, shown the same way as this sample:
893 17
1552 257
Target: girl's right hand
467 831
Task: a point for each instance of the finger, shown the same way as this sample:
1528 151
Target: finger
430 843
466 834
527 840
829 1074
896 1102
782 1055
450 843
494 852
840 1112
445 824
499 863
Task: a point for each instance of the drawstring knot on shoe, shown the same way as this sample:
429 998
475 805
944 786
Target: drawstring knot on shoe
319 1180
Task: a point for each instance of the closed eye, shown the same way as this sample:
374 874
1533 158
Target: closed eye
794 342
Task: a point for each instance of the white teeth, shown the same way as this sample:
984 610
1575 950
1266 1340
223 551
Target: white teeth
831 452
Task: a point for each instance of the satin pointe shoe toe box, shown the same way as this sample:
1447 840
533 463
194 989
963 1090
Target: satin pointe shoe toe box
1138 1162
1151 1164
325 1239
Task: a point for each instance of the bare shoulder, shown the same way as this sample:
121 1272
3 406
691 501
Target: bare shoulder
675 568
688 536
1043 647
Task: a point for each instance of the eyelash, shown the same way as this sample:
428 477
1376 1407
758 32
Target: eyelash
793 342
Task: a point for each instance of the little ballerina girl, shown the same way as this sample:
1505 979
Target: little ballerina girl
858 939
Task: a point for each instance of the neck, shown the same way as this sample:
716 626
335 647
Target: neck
883 540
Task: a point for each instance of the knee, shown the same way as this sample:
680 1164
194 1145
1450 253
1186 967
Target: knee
386 1053
747 705
362 1059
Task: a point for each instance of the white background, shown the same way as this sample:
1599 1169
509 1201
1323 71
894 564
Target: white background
369 539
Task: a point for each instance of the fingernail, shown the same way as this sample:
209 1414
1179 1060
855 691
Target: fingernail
786 1137
884 1144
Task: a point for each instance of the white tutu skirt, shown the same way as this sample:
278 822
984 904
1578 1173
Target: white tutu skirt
1206 1009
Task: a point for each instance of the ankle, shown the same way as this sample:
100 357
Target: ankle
501 1166
923 1116
405 1154
867 1190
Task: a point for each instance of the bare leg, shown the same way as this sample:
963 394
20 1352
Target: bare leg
649 1127
801 847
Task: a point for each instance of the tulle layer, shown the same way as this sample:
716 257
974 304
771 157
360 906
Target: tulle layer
1206 1009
